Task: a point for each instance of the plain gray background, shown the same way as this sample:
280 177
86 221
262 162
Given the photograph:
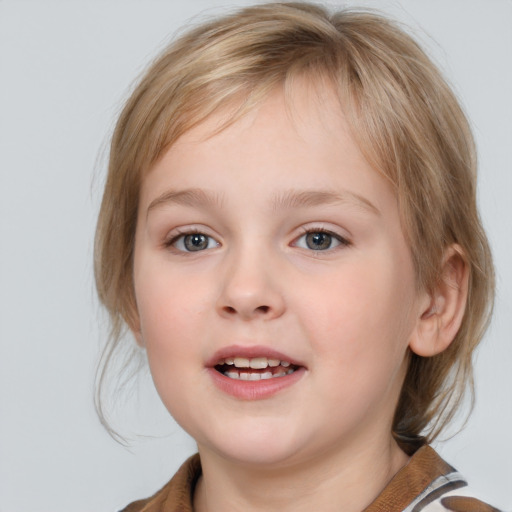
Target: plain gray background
65 67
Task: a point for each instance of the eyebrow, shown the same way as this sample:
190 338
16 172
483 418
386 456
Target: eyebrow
193 197
308 198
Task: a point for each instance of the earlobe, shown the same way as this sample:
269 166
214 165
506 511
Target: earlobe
442 311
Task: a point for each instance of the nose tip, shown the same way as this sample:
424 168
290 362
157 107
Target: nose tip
249 292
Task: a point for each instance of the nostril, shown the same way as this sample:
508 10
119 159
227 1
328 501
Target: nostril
260 309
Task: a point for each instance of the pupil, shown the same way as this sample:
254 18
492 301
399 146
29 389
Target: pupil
196 242
318 241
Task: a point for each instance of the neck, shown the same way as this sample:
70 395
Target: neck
347 481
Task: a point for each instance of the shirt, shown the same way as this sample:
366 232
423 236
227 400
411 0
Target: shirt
426 483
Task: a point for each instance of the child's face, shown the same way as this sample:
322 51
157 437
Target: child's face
274 239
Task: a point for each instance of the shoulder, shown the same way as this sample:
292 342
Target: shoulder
176 495
428 484
461 500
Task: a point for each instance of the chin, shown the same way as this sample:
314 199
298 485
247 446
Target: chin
258 456
258 445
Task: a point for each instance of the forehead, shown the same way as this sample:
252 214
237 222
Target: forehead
301 110
296 139
299 96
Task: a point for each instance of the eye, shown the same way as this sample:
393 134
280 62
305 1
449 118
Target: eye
319 240
193 242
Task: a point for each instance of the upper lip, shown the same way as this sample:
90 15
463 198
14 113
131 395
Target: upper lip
249 352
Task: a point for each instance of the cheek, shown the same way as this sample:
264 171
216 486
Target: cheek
170 307
165 295
169 334
362 314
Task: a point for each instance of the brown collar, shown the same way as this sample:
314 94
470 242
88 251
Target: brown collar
424 468
176 495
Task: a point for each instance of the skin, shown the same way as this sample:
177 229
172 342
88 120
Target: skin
348 314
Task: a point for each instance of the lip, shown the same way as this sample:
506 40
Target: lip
250 352
252 390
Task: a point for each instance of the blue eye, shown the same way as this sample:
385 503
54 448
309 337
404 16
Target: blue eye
319 241
193 242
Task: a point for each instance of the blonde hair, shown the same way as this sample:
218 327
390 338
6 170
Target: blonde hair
404 116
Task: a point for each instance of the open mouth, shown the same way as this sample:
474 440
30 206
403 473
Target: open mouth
255 368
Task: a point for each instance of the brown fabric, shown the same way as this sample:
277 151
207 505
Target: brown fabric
424 467
176 495
464 504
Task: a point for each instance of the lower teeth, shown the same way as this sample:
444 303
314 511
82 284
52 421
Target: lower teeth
257 376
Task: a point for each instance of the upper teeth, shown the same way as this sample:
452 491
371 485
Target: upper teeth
257 363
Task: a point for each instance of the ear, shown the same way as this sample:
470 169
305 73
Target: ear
442 311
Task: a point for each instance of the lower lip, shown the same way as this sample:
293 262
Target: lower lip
256 389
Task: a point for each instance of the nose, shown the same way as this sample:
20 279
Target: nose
250 289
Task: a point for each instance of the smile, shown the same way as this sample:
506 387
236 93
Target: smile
255 368
255 372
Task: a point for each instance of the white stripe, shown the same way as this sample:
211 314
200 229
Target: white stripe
434 486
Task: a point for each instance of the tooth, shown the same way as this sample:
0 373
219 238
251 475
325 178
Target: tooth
244 376
241 362
232 375
285 364
266 375
273 362
258 363
280 373
254 376
290 371
229 360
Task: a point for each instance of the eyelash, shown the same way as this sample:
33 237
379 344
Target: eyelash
182 235
343 242
171 242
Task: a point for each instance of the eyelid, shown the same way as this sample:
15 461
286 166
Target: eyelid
343 241
180 233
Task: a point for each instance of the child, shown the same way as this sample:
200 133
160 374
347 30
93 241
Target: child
289 229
